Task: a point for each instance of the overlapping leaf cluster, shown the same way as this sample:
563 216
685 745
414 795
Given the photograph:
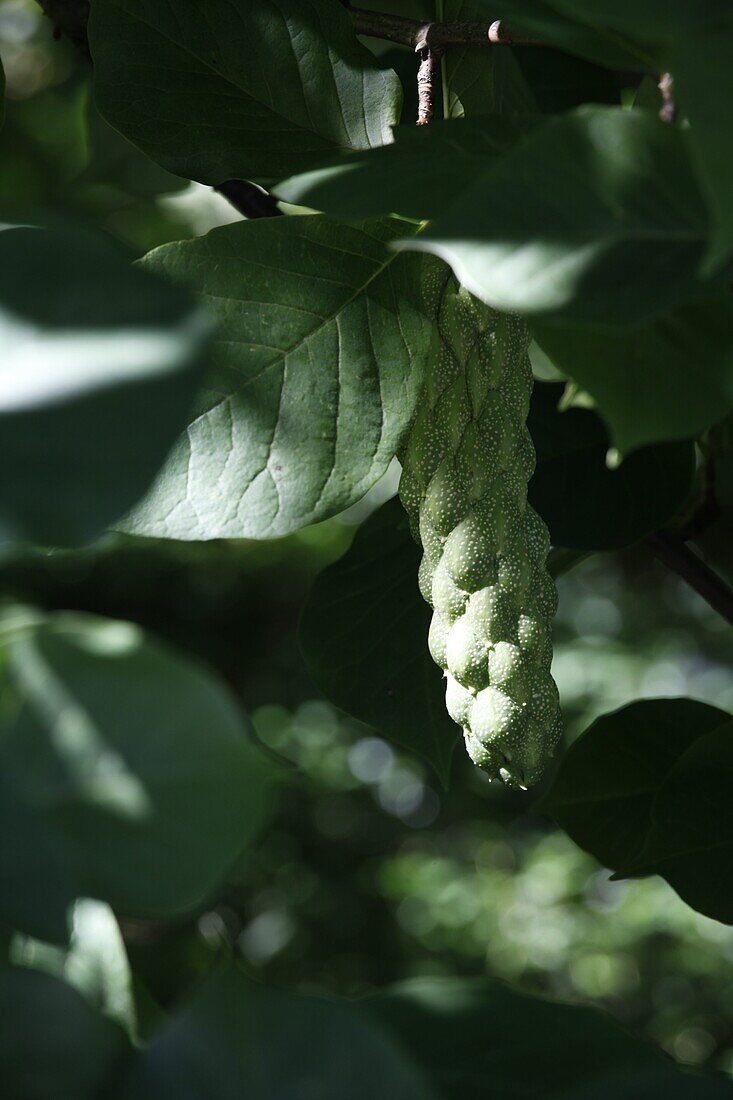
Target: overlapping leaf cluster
554 194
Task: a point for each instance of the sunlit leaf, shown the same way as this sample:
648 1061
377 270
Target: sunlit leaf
595 215
322 341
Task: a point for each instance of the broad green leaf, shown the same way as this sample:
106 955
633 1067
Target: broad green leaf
690 842
2 93
95 961
52 1043
481 81
39 858
618 33
478 1039
425 171
586 505
238 90
604 791
549 23
99 368
595 215
668 379
695 42
659 21
132 762
364 636
239 1038
668 1081
319 361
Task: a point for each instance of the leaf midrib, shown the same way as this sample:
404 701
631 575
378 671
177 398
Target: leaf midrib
311 334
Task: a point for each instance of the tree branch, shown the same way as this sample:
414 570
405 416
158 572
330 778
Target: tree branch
420 36
427 75
668 110
707 509
678 557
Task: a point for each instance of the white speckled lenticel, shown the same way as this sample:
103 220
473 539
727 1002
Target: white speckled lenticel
466 464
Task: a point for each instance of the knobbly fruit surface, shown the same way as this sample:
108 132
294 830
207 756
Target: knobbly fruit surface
465 468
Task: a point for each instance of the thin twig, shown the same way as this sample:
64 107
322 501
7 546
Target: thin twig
419 35
678 557
70 19
668 110
427 74
706 510
499 33
394 28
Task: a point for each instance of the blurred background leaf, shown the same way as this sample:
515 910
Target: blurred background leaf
94 962
281 1044
478 1039
53 1043
105 737
94 351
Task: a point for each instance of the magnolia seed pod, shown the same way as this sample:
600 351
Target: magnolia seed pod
465 468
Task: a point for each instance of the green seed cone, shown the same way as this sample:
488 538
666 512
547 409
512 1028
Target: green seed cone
465 468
